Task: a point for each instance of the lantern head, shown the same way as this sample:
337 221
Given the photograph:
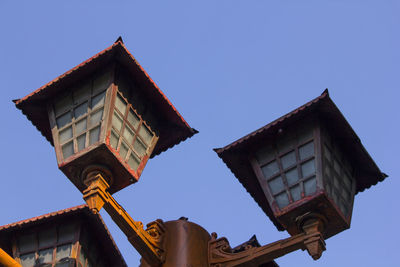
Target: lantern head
105 115
309 161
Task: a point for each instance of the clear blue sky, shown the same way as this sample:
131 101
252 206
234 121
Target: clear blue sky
229 67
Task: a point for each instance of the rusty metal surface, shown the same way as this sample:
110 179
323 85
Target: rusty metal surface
234 154
82 210
34 104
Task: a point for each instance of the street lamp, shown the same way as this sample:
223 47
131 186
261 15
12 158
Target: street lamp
305 166
105 115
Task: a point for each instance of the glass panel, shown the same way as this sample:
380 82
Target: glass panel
67 149
308 168
94 135
96 117
133 162
288 160
304 135
327 170
64 120
295 192
128 134
292 176
345 195
81 142
80 126
63 251
139 147
65 134
47 238
101 82
27 243
336 166
98 100
133 119
120 104
145 133
310 186
276 185
286 143
82 93
328 189
265 154
114 139
270 169
347 181
46 255
117 122
28 260
336 182
282 200
327 153
80 110
63 105
123 150
306 151
66 233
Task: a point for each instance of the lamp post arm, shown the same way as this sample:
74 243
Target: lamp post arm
221 255
147 242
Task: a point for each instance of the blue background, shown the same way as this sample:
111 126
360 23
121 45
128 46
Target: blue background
229 67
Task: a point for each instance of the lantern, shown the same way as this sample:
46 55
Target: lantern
105 115
309 161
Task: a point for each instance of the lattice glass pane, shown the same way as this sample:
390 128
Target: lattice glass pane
120 104
101 82
305 134
292 176
65 135
336 166
123 150
133 162
128 134
117 122
27 243
94 135
265 154
139 147
81 140
63 105
328 171
98 100
308 168
114 137
276 185
282 200
288 160
82 94
336 182
80 110
270 169
306 150
47 237
66 233
64 120
347 181
63 251
68 149
345 195
310 186
80 126
286 143
46 255
96 117
295 192
146 134
28 260
133 119
327 153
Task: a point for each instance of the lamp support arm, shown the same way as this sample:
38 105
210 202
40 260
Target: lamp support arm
221 255
147 242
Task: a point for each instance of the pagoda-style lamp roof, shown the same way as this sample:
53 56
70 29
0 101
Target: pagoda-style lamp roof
329 126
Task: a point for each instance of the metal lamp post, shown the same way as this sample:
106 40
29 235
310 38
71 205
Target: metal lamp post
106 118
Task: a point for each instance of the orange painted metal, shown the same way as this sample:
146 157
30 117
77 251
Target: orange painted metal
7 261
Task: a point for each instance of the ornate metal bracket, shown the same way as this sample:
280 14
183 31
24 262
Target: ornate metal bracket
221 254
147 242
